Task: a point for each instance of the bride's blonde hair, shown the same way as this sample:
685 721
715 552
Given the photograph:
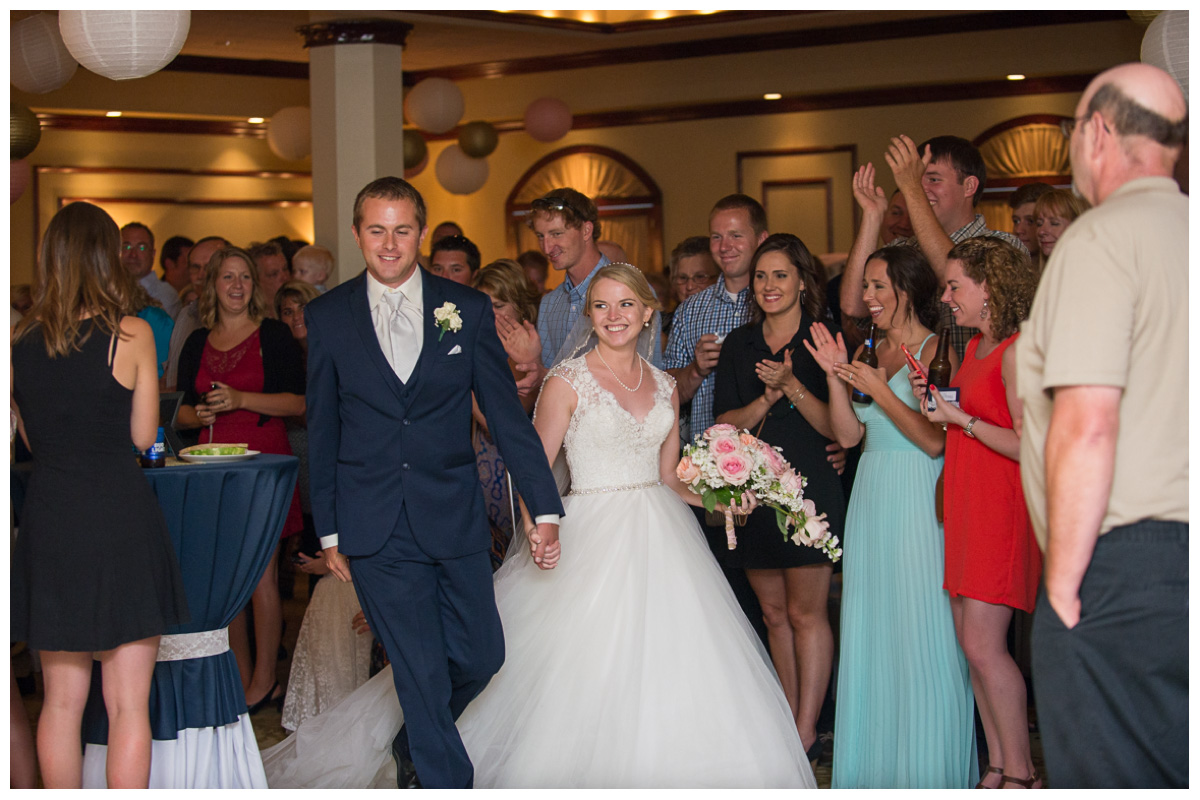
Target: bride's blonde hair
627 275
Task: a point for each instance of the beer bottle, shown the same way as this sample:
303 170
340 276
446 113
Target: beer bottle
868 357
156 456
939 367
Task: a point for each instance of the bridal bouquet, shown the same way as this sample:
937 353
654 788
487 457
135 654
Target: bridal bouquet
723 463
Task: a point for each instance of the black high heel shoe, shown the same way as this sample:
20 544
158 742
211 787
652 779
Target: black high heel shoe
267 699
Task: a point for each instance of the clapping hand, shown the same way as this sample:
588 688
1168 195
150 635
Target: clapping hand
907 163
869 196
774 374
520 339
828 351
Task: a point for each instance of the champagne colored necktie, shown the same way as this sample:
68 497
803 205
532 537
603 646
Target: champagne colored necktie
402 330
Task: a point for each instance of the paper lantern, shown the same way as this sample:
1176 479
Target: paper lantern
415 149
410 173
25 131
478 139
547 119
289 134
124 44
459 173
434 105
1165 45
20 180
38 62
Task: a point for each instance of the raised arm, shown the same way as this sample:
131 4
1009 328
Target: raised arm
908 168
873 202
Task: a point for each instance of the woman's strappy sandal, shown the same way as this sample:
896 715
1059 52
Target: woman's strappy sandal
987 772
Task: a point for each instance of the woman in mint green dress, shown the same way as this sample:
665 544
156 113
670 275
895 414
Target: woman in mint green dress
905 712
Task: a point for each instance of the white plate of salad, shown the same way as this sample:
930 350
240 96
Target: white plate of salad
216 453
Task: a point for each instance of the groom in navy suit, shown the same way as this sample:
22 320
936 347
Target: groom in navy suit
395 491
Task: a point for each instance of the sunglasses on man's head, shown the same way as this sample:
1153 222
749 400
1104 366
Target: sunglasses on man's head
552 204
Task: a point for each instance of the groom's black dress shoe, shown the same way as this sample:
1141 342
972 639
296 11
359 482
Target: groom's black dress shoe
406 771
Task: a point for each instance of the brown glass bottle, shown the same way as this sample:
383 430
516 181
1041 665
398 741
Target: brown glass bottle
939 367
868 357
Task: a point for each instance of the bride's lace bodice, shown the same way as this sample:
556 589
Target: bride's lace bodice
607 448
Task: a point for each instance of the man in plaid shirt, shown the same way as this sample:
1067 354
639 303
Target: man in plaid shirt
942 181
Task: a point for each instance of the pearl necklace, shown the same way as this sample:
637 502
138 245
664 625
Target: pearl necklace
641 372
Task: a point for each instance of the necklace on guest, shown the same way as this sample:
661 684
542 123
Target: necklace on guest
641 372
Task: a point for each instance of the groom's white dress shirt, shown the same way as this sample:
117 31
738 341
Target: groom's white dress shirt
401 343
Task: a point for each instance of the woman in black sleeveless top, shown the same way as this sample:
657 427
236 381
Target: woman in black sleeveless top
94 574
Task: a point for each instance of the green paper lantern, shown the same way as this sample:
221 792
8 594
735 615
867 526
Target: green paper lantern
478 139
25 130
415 150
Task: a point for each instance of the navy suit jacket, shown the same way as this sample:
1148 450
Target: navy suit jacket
377 445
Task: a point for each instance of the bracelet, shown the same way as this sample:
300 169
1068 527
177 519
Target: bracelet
795 400
970 425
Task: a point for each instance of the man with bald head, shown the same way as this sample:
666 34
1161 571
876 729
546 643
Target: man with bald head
1102 373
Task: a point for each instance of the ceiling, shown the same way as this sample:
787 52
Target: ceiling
452 42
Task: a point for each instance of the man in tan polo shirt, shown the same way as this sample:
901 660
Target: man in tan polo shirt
1102 372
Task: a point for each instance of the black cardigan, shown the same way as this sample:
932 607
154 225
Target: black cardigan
283 362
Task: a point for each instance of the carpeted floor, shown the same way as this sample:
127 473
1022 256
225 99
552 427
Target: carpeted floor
266 722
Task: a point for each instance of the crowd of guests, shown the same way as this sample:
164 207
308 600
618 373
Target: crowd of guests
940 550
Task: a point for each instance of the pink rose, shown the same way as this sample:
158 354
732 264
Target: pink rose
817 529
800 537
724 429
724 444
775 462
687 471
789 482
734 468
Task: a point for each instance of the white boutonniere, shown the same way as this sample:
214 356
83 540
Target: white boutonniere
447 319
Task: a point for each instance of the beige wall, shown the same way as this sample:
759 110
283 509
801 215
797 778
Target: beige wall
693 163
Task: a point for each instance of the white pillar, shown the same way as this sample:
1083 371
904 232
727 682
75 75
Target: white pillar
356 91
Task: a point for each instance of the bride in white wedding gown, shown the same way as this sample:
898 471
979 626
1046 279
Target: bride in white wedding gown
628 665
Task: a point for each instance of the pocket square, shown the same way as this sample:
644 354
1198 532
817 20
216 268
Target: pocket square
455 350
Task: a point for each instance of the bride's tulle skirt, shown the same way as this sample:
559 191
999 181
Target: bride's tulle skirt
629 665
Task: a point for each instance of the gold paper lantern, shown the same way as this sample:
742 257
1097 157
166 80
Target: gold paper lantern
415 150
478 139
25 131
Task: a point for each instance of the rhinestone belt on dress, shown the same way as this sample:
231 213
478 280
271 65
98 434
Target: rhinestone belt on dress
629 488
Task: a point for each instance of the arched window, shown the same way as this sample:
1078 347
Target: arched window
1023 150
628 199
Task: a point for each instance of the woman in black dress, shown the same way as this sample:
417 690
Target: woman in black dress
767 382
94 573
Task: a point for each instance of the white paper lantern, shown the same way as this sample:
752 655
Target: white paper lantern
289 133
39 62
434 105
124 44
1165 45
458 173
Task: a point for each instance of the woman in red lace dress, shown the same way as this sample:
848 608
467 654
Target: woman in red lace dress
242 373
992 560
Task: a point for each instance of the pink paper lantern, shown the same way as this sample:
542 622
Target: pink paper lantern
547 119
21 174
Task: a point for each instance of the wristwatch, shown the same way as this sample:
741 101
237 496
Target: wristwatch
971 424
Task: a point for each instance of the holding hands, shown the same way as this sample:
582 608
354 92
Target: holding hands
544 545
908 165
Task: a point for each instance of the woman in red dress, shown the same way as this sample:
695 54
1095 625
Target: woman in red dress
992 559
241 374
